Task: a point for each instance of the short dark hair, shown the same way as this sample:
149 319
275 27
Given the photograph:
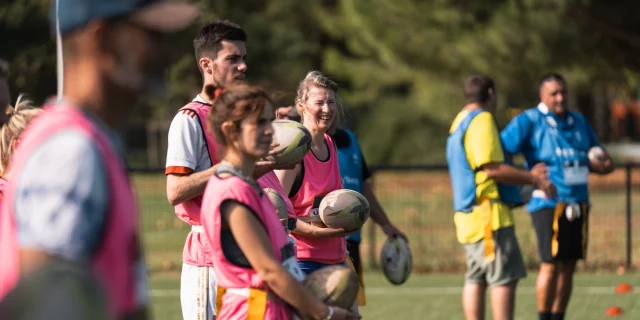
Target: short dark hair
550 77
476 89
209 40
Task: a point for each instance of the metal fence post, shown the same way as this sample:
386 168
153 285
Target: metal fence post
373 262
628 196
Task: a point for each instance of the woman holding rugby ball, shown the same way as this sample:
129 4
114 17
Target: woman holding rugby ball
254 262
317 175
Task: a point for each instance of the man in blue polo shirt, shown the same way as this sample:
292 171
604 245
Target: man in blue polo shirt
562 139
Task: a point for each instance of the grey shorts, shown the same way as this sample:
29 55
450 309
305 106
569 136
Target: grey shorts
508 265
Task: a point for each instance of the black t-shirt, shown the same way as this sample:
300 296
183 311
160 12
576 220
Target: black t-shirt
342 140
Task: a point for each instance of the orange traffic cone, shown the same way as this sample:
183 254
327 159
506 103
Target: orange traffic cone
614 312
624 288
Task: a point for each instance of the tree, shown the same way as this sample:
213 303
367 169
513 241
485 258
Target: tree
404 62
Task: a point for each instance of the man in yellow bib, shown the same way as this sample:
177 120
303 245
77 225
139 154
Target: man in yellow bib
484 191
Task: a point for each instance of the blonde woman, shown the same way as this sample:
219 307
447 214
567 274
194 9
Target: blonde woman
16 122
317 175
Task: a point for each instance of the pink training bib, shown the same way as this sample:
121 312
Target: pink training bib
320 178
240 283
117 260
196 250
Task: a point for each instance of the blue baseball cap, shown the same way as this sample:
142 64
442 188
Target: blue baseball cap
157 15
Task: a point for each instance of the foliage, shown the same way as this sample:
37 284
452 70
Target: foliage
400 63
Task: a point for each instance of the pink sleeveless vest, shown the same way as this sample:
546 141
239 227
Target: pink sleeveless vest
196 249
320 178
116 260
229 275
270 180
9 264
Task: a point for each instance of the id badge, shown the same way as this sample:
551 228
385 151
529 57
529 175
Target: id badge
290 262
576 175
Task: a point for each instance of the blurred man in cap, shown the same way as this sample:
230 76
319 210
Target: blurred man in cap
70 197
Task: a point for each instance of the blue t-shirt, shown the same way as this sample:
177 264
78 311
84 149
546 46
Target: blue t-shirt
353 168
562 144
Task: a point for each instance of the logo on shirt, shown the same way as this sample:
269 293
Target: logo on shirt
355 159
347 180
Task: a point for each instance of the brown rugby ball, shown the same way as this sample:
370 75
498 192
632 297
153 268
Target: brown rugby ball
334 285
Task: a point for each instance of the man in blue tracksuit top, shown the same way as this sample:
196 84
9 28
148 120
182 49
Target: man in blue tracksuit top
355 173
562 139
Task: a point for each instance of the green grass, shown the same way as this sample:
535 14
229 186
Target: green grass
420 204
437 296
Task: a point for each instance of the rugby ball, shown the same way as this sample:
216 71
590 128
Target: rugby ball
334 285
596 154
278 203
294 140
343 208
396 260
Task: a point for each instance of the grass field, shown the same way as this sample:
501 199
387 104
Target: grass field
420 204
438 296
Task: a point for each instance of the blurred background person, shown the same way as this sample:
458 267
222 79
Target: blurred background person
560 138
113 53
17 120
355 175
484 191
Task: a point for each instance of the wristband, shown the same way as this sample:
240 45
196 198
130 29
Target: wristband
291 224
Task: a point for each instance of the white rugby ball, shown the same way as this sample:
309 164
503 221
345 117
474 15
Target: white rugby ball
294 140
279 204
596 154
345 209
396 260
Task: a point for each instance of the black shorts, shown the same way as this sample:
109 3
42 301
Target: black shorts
569 241
354 253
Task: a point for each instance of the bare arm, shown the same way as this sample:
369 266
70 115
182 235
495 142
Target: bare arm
504 173
538 176
377 213
181 188
310 230
287 177
257 248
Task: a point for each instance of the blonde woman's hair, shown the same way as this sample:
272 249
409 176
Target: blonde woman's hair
17 120
317 79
